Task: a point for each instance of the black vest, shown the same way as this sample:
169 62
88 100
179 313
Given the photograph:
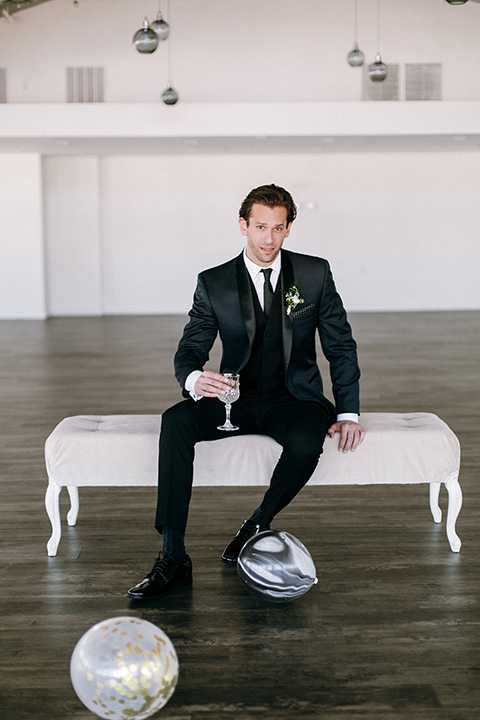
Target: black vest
263 377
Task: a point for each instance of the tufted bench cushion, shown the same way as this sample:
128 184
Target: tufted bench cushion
122 450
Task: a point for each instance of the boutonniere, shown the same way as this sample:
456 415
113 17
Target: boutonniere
292 298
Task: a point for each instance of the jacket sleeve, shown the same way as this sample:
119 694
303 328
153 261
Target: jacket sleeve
339 348
198 336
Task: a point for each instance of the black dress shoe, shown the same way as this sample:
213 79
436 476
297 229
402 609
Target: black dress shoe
232 551
165 575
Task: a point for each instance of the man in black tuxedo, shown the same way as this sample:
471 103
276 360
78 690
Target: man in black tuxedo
267 305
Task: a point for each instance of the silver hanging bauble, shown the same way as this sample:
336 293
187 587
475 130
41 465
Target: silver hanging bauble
161 27
457 2
355 57
170 95
377 71
145 39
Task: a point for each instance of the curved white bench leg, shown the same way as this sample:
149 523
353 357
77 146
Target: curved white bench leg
454 507
53 511
72 514
434 506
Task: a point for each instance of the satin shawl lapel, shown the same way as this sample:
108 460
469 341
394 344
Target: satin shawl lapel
246 299
286 281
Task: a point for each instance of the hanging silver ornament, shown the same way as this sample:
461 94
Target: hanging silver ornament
170 95
355 57
377 71
160 27
457 2
145 40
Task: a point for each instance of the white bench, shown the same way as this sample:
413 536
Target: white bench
122 450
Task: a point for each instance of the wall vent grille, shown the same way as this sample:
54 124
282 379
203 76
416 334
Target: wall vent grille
423 81
85 84
386 90
3 85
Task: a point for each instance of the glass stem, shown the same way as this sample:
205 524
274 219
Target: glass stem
228 407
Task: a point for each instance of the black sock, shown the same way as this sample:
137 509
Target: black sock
257 519
174 543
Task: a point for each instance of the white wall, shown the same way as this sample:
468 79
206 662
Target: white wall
73 236
236 50
22 276
402 231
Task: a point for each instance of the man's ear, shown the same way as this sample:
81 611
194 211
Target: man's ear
243 225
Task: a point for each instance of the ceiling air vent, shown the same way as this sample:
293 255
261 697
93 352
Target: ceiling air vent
386 90
84 84
423 81
3 85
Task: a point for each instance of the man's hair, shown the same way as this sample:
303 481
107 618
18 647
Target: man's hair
272 196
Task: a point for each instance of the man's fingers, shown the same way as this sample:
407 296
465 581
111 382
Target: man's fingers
211 384
351 435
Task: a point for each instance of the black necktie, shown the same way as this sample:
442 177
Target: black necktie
267 292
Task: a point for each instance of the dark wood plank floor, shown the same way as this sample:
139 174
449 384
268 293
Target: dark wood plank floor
391 631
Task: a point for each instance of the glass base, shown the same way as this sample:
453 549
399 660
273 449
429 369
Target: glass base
227 426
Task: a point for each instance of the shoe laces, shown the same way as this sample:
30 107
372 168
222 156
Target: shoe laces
161 563
249 529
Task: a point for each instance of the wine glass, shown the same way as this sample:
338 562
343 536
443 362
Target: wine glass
232 394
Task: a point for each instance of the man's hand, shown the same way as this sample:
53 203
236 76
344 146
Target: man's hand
211 384
351 434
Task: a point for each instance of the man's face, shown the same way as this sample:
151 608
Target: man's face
265 232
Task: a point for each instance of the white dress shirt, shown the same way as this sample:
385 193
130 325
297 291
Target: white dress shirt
258 279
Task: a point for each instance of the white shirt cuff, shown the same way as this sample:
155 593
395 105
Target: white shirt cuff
190 384
353 417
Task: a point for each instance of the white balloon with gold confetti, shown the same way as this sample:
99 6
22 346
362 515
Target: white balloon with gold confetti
124 668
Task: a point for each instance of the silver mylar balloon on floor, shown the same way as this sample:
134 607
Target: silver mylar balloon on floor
276 566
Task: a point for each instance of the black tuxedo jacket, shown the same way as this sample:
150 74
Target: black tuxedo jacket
223 303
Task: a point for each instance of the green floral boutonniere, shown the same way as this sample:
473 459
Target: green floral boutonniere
292 297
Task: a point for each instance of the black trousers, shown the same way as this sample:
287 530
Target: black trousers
298 426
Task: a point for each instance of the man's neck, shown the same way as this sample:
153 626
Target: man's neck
255 268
